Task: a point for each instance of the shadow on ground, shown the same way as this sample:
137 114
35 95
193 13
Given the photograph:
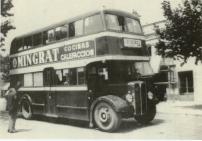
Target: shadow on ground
194 107
63 121
22 130
128 125
131 125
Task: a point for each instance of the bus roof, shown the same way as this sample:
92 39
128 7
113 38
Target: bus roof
69 20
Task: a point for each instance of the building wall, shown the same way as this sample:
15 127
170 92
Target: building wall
197 76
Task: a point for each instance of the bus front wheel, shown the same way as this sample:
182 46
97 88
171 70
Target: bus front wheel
26 109
146 118
106 118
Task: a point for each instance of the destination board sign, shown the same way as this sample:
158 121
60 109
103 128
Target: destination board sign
134 43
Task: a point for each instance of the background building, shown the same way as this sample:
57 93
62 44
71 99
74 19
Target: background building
182 81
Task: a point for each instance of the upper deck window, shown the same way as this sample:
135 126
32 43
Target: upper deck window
133 26
76 28
61 32
51 36
28 42
112 22
37 39
19 45
120 23
93 24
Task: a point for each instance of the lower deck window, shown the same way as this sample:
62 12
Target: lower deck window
28 80
38 79
81 76
71 77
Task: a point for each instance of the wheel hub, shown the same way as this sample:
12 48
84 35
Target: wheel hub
104 115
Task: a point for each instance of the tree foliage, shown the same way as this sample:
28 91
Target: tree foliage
6 25
182 36
4 64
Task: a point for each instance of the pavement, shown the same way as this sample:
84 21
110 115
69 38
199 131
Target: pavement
179 107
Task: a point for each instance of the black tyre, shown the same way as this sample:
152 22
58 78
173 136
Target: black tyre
106 118
146 118
26 109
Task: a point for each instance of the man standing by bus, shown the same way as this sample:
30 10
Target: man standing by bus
12 106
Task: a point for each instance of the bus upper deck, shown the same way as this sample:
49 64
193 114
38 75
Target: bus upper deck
96 34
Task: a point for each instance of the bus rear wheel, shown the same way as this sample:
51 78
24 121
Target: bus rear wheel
106 118
26 109
148 117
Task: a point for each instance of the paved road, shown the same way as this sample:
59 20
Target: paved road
165 126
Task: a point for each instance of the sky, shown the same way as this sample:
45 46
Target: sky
30 15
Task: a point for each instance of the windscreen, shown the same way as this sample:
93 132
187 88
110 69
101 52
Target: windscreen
121 23
125 71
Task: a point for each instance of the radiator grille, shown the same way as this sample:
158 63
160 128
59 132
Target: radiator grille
140 98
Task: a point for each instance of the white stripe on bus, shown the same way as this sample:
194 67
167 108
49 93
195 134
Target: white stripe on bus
76 63
59 88
78 40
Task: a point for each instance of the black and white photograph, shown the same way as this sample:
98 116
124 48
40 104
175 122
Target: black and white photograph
101 69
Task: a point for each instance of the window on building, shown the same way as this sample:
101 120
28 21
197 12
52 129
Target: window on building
38 79
61 32
93 24
76 28
37 39
28 80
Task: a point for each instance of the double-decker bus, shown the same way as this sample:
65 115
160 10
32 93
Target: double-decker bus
93 67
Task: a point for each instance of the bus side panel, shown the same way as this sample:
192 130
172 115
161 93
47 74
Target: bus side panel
72 104
38 101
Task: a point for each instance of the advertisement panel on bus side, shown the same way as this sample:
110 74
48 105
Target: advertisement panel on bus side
67 52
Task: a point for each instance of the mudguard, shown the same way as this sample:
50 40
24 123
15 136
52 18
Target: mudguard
116 102
25 97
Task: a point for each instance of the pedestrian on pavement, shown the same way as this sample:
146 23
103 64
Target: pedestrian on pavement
12 106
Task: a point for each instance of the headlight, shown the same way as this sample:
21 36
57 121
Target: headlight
129 97
150 95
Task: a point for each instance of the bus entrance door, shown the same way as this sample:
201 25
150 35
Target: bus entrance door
49 80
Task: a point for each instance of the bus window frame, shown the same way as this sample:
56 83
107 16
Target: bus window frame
67 38
67 31
32 80
71 85
73 23
102 20
124 32
31 46
41 42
